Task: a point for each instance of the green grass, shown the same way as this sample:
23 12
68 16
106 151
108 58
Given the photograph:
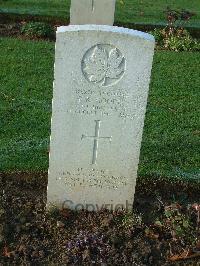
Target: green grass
170 141
133 11
25 103
171 135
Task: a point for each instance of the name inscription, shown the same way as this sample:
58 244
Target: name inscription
103 103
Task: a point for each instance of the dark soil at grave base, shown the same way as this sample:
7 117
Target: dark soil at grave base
9 30
14 30
33 237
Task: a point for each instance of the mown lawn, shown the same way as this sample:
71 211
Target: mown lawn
133 11
170 143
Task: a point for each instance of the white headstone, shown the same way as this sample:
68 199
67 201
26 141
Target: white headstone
102 76
99 12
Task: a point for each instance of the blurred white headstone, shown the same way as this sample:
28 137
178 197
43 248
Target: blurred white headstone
99 12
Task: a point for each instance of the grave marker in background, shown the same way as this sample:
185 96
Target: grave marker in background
99 12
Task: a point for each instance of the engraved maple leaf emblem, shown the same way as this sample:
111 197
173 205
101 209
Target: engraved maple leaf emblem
103 65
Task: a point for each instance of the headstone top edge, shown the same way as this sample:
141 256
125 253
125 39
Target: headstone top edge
106 28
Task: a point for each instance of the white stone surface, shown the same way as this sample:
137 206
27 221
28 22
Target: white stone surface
99 12
102 76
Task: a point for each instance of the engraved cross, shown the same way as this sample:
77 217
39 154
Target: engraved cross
93 5
96 138
100 12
